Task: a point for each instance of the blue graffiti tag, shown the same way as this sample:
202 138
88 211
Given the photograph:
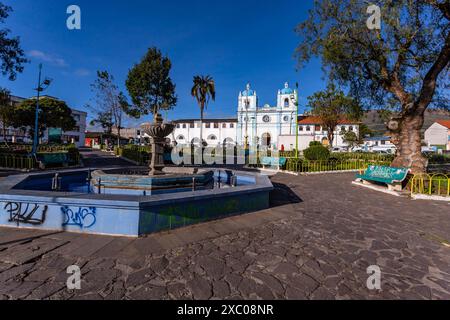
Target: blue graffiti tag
83 218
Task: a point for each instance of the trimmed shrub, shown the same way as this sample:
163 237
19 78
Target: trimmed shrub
315 144
316 152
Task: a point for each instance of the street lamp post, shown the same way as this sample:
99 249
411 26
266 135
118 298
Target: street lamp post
296 121
41 87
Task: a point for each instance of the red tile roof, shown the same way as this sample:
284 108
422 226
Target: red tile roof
445 123
316 120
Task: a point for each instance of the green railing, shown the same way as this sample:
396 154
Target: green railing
13 161
305 166
432 185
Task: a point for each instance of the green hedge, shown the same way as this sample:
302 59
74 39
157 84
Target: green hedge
317 152
139 154
438 158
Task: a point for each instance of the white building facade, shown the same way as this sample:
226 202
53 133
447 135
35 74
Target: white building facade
438 135
215 131
264 125
273 127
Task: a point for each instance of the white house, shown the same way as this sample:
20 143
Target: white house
438 134
379 143
311 129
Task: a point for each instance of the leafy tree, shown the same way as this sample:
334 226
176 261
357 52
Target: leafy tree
12 56
399 66
364 131
105 120
350 138
149 85
6 111
53 113
203 90
332 106
110 104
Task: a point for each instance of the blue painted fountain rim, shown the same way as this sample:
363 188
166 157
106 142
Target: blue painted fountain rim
7 192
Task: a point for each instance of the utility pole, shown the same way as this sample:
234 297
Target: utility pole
41 87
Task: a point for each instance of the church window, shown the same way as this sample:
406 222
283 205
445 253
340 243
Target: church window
300 128
207 125
286 103
224 125
286 118
231 125
184 125
266 119
180 138
350 128
216 125
308 128
212 137
191 125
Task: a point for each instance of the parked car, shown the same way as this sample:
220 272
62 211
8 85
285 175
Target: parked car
383 149
339 149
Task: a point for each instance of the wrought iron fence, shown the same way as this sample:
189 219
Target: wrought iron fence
430 184
305 166
13 161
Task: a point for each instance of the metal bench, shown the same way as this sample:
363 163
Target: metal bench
273 162
392 177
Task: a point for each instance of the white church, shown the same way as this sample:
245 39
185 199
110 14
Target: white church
273 127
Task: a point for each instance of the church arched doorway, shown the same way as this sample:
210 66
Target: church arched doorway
266 139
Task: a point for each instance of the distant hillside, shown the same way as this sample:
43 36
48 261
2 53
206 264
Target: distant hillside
373 120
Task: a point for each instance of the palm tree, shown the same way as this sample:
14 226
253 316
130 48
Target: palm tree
203 91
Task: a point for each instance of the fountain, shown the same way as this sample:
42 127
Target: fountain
158 132
129 201
157 179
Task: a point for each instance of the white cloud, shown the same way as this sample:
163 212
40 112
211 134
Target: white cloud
81 72
54 60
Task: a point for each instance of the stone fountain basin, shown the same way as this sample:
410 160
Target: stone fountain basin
119 181
123 214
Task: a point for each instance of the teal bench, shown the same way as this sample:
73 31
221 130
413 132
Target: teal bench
393 177
53 159
273 162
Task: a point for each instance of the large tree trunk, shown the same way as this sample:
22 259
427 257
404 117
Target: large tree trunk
406 135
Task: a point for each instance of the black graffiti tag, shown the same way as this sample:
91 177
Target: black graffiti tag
26 213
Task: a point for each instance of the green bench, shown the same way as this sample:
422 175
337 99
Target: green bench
393 177
273 162
53 159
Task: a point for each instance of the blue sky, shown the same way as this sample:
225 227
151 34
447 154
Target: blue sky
234 41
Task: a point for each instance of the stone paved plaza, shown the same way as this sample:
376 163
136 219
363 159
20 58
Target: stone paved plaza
315 242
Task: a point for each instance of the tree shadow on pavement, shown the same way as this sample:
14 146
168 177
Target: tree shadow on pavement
282 195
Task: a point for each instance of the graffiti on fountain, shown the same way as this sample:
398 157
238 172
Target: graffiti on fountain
26 213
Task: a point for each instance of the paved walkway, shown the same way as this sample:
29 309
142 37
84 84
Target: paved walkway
316 242
98 159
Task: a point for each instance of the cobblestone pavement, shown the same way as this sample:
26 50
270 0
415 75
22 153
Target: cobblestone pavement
316 242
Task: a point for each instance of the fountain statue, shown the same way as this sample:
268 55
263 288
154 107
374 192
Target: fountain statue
158 131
